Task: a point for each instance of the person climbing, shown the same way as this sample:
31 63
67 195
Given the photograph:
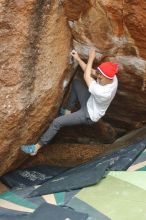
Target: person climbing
94 96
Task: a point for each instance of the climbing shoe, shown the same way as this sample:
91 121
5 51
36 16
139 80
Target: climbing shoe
63 111
29 149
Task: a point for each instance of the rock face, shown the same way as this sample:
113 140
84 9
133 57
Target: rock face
117 30
73 154
35 44
36 37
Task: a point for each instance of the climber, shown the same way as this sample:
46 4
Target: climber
94 96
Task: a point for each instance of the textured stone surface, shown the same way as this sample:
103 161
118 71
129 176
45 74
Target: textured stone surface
35 43
73 154
3 188
36 37
117 30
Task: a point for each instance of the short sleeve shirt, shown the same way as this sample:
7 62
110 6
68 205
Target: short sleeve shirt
100 98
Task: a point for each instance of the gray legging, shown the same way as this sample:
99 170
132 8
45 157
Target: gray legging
79 92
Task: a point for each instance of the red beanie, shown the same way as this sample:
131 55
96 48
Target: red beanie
108 69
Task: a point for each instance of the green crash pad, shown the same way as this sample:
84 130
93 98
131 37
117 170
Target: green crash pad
120 196
15 199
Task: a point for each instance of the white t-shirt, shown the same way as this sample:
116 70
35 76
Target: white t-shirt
100 98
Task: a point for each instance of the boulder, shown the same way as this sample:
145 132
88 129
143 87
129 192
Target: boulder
36 39
35 46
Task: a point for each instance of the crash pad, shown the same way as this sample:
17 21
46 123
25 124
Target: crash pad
91 172
32 176
121 195
139 163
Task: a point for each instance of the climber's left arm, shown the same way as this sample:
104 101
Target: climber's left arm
88 71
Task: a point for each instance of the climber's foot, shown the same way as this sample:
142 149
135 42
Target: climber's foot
64 111
30 149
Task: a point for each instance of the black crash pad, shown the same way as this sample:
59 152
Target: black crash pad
46 212
31 176
91 172
52 212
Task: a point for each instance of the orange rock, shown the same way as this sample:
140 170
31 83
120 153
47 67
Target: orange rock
36 38
35 46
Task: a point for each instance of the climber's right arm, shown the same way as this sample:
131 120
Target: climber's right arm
81 62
